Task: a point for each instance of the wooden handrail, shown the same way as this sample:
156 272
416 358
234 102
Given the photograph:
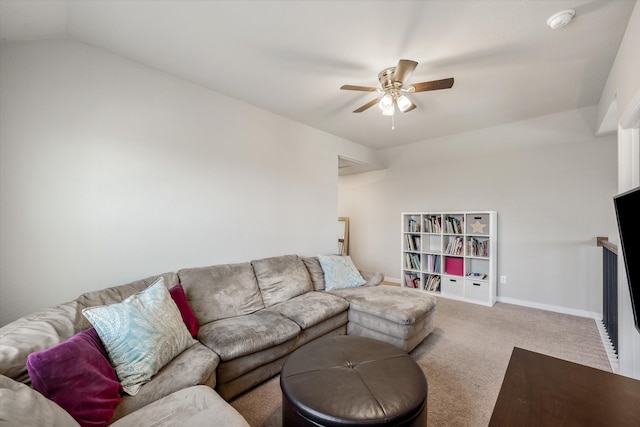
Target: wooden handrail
604 242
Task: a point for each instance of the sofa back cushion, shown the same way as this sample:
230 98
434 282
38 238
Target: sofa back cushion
315 272
221 291
281 278
41 330
36 332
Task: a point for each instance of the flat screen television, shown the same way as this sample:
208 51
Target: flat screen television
627 206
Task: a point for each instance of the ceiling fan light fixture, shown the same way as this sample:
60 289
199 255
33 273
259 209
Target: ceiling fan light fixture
403 103
388 110
386 102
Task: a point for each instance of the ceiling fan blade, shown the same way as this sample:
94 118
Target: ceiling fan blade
433 85
404 69
360 88
367 105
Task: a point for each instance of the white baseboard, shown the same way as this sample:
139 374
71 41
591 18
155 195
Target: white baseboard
549 307
531 304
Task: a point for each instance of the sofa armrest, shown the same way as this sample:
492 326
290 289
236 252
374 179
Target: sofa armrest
194 366
373 278
20 405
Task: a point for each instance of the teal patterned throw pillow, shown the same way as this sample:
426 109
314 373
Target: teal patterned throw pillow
141 334
339 272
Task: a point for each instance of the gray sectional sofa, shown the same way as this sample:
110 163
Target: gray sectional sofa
251 317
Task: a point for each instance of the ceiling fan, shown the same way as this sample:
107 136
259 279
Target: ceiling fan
392 87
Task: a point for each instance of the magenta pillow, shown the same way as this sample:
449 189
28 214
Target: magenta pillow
77 375
180 298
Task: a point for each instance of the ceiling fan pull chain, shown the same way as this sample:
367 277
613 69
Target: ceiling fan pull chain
393 120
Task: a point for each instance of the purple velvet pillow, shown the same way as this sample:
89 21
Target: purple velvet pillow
77 375
179 297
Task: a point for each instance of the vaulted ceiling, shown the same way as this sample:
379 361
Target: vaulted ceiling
291 57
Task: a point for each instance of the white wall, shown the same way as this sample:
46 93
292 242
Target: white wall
619 109
623 82
629 177
111 171
550 180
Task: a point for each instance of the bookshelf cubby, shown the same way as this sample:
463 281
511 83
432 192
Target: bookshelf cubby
451 254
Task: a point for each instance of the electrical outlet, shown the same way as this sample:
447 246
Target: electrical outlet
503 280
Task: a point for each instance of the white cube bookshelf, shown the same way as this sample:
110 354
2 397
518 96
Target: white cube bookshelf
451 254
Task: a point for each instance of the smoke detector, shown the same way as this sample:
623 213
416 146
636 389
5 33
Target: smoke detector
561 19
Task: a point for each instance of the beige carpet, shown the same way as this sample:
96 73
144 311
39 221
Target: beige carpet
465 359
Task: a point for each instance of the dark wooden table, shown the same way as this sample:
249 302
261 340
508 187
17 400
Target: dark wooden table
540 390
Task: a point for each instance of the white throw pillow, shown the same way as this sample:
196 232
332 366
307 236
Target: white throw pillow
141 334
340 272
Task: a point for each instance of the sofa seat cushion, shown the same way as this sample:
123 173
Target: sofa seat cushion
241 335
36 332
281 278
194 366
221 291
407 342
191 407
20 405
399 316
335 325
312 308
395 304
400 330
234 368
245 382
240 374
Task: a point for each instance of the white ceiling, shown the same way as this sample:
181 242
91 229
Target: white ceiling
291 57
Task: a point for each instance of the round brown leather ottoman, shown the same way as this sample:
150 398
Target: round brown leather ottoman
352 381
